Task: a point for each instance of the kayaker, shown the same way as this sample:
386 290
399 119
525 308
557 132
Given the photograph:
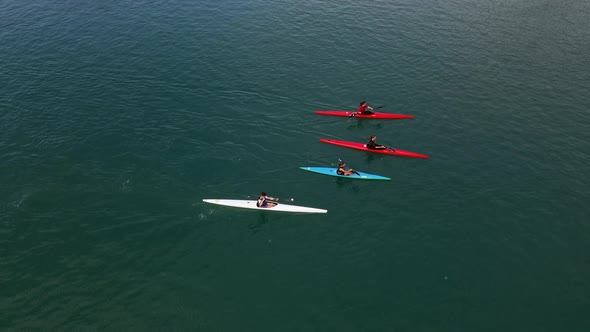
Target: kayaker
364 108
342 171
372 144
263 201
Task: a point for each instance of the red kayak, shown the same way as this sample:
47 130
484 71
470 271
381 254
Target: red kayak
375 115
362 146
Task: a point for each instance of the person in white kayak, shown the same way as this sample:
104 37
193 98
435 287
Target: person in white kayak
263 201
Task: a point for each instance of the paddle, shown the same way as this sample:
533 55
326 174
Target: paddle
386 148
390 149
285 199
274 199
374 108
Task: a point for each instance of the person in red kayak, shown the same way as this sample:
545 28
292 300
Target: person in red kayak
372 144
342 171
364 109
263 201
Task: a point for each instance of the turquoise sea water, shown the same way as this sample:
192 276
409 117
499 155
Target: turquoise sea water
118 117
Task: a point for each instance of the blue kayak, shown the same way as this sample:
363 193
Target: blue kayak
332 171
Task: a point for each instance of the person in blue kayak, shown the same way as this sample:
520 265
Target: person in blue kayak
342 171
263 201
364 109
372 144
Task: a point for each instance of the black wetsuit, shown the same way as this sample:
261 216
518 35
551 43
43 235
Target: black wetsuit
371 145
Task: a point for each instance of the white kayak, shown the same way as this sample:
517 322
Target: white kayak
251 204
